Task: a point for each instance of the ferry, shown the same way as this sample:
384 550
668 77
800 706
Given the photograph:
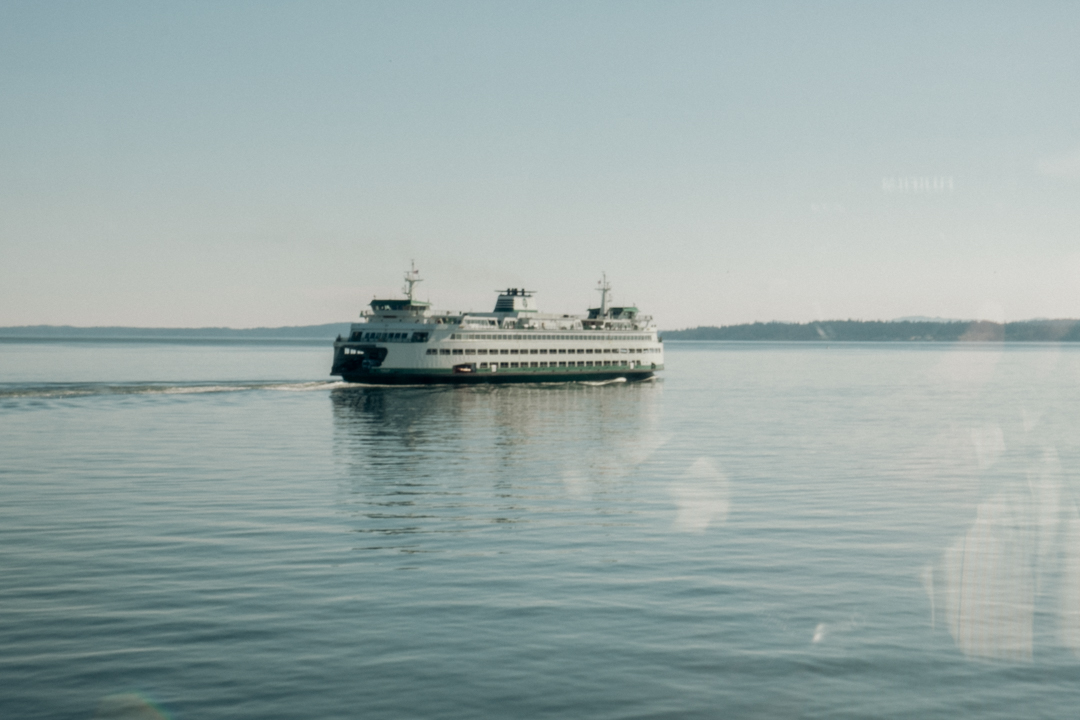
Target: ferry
403 341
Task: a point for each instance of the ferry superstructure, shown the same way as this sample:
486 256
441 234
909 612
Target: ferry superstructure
403 341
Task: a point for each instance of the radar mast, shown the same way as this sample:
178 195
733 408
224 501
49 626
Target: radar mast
411 278
603 287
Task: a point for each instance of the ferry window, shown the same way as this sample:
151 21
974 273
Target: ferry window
562 351
444 352
532 364
514 352
432 351
483 364
533 352
419 337
513 365
470 351
504 352
580 351
457 352
562 364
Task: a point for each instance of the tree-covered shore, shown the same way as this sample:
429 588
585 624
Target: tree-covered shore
888 331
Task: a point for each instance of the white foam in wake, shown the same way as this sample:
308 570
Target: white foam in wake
598 383
309 386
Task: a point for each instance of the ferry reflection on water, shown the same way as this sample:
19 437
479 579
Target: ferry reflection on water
602 431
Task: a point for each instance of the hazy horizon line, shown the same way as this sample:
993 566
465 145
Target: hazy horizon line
7 329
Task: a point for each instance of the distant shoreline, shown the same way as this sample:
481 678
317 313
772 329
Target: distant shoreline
1063 330
888 331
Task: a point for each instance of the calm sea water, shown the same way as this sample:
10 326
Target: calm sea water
771 531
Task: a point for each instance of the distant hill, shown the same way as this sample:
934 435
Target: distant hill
892 331
67 332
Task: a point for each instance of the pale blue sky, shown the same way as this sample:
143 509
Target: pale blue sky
179 164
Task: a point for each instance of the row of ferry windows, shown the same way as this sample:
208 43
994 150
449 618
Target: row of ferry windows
526 336
470 351
423 337
391 337
570 363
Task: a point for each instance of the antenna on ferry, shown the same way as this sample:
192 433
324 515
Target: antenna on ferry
603 287
411 278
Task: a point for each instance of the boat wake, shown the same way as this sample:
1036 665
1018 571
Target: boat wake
22 391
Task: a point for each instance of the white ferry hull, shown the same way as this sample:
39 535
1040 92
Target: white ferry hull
406 377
